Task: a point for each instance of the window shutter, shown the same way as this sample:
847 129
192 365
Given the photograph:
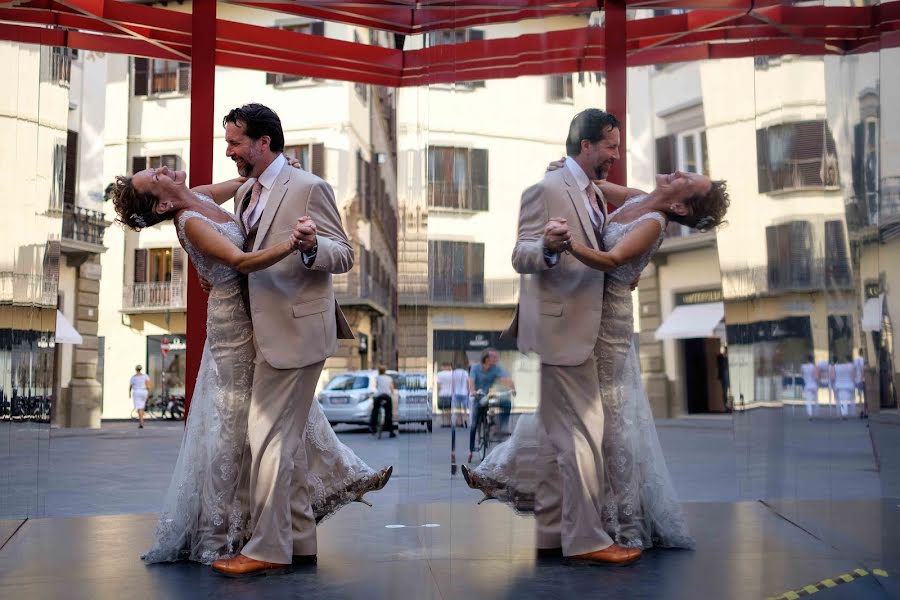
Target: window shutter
479 177
178 264
317 28
141 76
271 78
71 176
140 265
170 161
800 242
704 155
184 77
858 159
773 258
138 163
762 161
51 268
837 263
318 160
665 154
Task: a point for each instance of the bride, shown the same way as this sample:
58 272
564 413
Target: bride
205 514
641 509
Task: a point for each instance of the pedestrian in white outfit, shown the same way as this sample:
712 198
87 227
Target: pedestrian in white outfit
810 386
845 386
823 373
139 388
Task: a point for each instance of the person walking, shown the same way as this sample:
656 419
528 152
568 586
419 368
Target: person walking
138 389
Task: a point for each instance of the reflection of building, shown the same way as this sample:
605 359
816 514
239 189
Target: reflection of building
786 278
342 132
467 152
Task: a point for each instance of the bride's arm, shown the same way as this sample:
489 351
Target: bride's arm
221 192
210 242
633 245
616 194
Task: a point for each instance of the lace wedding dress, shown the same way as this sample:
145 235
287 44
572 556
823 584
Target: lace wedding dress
205 513
640 508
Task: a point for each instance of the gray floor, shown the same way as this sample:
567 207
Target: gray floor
822 514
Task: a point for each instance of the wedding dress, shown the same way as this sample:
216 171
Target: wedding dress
205 513
640 509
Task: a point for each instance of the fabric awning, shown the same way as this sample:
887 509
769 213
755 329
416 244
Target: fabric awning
692 321
65 333
871 315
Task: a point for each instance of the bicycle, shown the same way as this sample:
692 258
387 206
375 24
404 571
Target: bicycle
380 418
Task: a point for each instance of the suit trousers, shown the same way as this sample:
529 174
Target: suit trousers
281 516
570 492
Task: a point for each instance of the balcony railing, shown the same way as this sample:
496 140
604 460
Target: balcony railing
486 292
153 297
28 290
444 194
360 288
83 225
774 279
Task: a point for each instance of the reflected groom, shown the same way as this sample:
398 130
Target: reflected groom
558 317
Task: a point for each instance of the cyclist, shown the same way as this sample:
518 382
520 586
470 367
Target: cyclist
384 392
482 378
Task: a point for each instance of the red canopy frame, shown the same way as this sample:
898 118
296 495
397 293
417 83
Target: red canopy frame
710 29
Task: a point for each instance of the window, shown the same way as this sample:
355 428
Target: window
311 157
685 151
346 383
560 88
71 176
139 163
789 252
310 28
153 76
458 178
57 189
59 66
456 36
865 167
159 265
796 156
837 258
456 271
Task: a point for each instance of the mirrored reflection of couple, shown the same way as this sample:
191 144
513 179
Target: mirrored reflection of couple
249 487
589 463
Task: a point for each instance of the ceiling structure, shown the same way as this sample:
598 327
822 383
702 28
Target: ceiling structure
709 29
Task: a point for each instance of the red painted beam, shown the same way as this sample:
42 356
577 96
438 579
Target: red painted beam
615 32
203 121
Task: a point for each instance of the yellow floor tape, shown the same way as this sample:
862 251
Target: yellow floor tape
809 590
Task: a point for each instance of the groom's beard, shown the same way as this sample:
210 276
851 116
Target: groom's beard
245 170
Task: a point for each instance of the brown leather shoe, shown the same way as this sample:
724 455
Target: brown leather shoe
241 566
614 555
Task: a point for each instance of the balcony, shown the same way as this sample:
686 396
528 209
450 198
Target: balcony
82 231
154 297
20 289
360 289
499 293
774 279
445 195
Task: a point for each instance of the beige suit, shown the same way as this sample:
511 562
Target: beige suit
558 317
296 323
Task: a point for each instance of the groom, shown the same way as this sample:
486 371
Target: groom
558 317
296 323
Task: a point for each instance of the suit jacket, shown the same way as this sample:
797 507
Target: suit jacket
296 319
560 307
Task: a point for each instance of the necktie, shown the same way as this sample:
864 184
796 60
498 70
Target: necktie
254 199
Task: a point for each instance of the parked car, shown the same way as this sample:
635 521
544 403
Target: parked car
414 399
348 397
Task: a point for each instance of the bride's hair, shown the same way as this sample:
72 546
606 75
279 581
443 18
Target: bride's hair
136 210
707 210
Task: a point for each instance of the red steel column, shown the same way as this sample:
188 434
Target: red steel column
203 85
616 77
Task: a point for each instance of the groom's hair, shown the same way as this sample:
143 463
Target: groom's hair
258 120
591 125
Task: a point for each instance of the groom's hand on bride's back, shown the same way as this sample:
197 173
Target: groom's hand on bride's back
293 162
